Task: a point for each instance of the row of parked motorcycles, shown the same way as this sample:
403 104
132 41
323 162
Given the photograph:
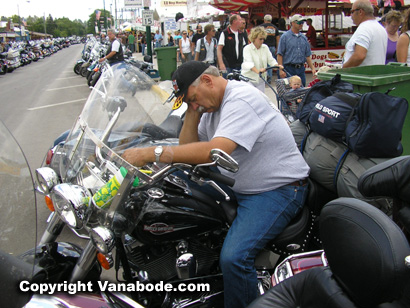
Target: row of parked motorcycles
88 65
155 224
25 52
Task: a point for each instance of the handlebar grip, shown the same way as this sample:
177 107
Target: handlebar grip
216 176
223 179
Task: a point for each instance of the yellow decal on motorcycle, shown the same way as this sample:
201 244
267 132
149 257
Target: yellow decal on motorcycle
178 102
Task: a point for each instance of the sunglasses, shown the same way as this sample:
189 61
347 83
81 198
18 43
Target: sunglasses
355 10
300 22
184 33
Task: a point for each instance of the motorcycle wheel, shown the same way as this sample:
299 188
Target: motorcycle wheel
87 75
3 70
83 71
90 78
96 76
77 68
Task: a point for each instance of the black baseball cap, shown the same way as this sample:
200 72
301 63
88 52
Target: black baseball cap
185 75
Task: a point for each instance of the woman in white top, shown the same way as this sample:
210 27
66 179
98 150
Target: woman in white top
256 57
185 47
403 46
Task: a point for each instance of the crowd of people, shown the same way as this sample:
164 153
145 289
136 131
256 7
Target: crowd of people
253 46
235 117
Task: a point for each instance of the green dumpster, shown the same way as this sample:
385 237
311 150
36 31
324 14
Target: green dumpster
167 61
379 78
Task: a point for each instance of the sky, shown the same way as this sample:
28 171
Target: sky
72 9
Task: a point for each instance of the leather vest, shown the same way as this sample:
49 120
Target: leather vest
231 59
118 57
202 50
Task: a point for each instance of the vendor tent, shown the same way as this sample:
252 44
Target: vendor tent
236 5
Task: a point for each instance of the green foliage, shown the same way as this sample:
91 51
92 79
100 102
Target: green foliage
102 23
60 27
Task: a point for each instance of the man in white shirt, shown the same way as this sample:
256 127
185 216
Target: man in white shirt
368 45
205 50
230 46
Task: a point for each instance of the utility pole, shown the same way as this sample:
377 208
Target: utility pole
115 24
45 30
18 12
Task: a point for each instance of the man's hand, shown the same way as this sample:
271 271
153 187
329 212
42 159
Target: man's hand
282 74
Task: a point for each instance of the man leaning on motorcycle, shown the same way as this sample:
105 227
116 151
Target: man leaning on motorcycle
270 186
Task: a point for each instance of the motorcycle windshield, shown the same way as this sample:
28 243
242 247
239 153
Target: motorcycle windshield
126 109
17 219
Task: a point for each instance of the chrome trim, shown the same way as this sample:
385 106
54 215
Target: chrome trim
102 235
46 179
84 263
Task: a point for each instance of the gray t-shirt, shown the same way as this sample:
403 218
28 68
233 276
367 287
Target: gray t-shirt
267 153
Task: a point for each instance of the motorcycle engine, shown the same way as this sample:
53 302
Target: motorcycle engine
159 261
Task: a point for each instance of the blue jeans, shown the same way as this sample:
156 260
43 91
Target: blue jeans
296 71
260 218
272 51
143 48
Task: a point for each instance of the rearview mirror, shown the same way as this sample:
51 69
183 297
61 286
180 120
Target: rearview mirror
224 160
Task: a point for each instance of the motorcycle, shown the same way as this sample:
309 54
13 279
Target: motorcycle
366 256
160 227
85 54
20 276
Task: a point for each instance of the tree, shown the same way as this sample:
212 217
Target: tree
92 22
60 27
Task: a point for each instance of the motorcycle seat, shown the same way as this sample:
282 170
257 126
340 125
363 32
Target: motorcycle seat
389 179
314 288
365 250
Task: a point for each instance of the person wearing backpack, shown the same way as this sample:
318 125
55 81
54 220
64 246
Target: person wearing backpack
368 45
205 50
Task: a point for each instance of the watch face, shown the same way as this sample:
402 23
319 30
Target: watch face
158 150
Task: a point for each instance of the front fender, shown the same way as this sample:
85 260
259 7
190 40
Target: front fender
57 260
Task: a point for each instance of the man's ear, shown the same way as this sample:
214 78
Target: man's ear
207 79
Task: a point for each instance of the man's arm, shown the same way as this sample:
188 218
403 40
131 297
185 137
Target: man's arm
357 57
110 55
220 58
189 131
310 63
282 73
191 153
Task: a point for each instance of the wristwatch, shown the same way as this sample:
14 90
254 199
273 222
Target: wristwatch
158 152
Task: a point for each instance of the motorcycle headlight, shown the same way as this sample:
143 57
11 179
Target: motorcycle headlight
71 203
102 239
47 178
